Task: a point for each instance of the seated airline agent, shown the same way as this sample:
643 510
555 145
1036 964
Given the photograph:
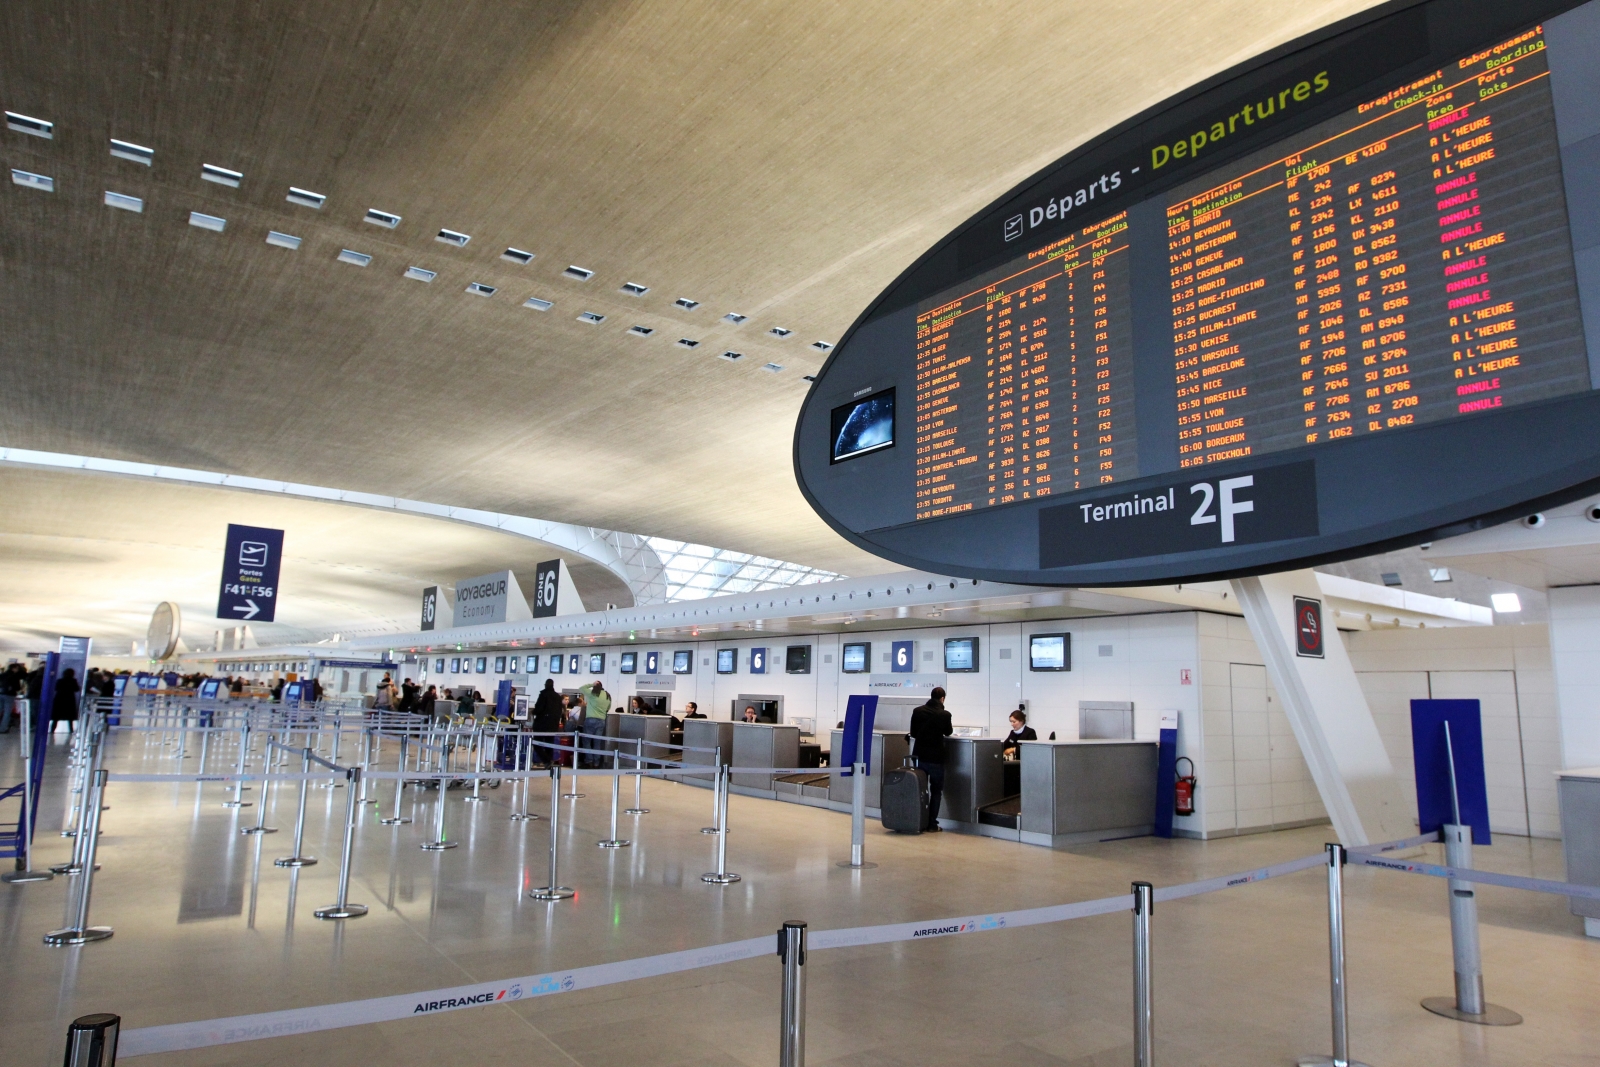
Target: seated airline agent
750 713
1020 731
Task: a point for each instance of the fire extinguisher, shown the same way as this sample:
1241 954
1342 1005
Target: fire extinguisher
1183 794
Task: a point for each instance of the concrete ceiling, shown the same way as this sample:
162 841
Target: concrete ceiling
93 554
780 160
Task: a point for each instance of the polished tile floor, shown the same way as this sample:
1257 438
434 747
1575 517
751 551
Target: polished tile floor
206 926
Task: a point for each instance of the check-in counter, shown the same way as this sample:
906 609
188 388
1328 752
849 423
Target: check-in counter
624 729
706 733
889 751
759 744
974 776
1078 791
1578 792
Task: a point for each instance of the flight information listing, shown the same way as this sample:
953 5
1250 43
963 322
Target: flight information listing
1024 378
1404 263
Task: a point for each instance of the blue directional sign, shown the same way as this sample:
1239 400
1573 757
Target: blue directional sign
250 574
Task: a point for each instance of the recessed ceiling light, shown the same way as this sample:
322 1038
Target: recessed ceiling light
1505 603
779 331
687 304
686 343
732 355
634 288
591 318
734 317
773 367
355 259
581 274
207 222
640 331
305 198
386 219
134 153
283 240
220 175
420 274
37 127
479 289
452 237
43 182
538 305
821 346
517 255
124 201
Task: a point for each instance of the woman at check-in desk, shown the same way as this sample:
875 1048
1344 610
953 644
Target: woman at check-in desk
750 713
1020 731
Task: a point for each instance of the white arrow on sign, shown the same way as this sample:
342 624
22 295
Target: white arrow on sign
251 612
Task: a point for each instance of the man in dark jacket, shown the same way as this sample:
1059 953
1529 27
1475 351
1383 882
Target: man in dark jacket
930 725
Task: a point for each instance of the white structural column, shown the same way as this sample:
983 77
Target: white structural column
1328 713
1575 655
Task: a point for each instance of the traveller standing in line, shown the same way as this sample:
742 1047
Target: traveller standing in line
408 695
547 712
65 706
384 700
13 683
428 701
596 703
930 725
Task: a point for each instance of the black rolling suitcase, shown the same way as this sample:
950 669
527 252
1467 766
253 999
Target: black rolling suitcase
904 800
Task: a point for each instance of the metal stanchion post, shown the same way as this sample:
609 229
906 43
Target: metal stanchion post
399 788
205 749
75 864
576 760
440 841
716 794
1143 997
1341 1024
338 732
261 826
524 757
792 1020
342 908
25 871
368 754
1468 1004
721 876
638 781
616 801
299 859
80 932
858 819
238 800
92 1040
477 767
554 890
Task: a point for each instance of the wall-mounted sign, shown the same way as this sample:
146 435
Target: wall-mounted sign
1338 297
437 613
250 562
652 663
758 661
490 598
903 657
1308 627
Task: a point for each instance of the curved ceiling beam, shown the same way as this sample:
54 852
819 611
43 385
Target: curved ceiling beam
628 556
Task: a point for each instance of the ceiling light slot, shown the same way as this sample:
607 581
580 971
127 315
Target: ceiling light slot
686 304
808 377
42 182
537 304
133 153
634 288
821 346
124 201
591 317
25 124
305 198
734 317
779 331
732 356
355 259
221 175
452 237
207 222
420 274
686 343
641 331
773 367
517 255
283 240
479 289
388 220
581 274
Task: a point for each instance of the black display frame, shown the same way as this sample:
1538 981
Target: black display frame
841 414
593 656
954 642
627 663
730 656
797 659
866 657
685 657
1066 654
1430 496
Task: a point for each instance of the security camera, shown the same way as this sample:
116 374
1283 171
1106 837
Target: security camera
1534 521
1592 512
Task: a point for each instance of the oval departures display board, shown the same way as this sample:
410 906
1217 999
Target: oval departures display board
1329 301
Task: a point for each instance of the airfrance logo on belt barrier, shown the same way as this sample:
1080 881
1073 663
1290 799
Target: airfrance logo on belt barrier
988 922
545 983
